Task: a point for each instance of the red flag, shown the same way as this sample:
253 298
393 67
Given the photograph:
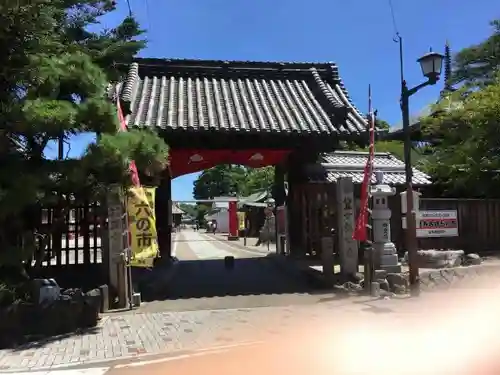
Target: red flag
134 174
360 233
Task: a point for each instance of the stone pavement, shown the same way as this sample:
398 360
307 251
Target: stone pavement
122 339
132 335
126 336
202 282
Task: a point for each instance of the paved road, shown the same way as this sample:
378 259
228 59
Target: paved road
119 336
438 333
202 281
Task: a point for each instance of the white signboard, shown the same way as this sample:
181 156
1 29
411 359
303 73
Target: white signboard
437 223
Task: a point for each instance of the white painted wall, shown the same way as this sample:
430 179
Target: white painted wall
222 218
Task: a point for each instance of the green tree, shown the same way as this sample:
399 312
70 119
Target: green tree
257 179
54 75
382 124
477 65
395 148
466 158
189 209
232 181
219 181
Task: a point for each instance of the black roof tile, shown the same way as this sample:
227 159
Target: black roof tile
239 96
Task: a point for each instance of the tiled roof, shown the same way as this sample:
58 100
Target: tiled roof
239 96
176 209
352 163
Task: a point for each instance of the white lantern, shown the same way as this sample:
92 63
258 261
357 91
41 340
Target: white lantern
431 64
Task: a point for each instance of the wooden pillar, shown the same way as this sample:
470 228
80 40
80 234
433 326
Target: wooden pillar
163 212
295 178
298 161
279 194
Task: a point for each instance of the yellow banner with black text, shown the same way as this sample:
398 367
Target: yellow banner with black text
142 226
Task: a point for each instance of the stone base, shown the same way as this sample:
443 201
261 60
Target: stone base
395 268
233 238
389 260
136 299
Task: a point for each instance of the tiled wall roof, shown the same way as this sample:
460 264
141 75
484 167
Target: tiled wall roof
237 96
352 163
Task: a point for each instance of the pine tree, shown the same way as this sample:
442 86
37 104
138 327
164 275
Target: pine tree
54 79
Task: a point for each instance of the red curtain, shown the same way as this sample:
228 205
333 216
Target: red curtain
185 161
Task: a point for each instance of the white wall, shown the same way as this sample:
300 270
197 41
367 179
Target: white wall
222 218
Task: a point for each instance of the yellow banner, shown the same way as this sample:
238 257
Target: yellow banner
142 226
241 220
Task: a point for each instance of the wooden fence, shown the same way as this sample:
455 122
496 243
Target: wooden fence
478 224
478 220
316 207
75 247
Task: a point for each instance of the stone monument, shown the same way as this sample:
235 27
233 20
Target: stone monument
347 247
386 256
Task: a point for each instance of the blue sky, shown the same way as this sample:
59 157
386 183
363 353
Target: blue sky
356 34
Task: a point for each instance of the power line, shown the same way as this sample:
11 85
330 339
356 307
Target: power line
394 23
148 18
129 8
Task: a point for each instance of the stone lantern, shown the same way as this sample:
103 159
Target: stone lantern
386 256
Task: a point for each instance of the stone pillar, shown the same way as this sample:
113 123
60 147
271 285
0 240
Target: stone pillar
386 256
327 259
117 246
163 213
348 248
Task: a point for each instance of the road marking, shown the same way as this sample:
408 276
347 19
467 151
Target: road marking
203 247
237 248
198 353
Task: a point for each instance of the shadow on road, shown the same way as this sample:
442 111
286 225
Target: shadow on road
248 276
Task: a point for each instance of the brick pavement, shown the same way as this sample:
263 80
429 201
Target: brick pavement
137 334
123 336
119 337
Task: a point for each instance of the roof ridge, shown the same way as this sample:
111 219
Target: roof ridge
303 65
344 94
281 97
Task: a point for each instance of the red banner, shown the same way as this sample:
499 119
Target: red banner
360 232
185 161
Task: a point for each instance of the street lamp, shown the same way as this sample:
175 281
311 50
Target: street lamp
431 64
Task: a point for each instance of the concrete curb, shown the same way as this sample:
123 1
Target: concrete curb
306 274
456 276
429 279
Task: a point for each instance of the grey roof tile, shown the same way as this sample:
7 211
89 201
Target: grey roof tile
239 97
352 163
176 209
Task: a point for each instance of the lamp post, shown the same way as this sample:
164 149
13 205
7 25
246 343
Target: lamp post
431 64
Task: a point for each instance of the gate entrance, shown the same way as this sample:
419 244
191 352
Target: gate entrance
249 113
259 226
